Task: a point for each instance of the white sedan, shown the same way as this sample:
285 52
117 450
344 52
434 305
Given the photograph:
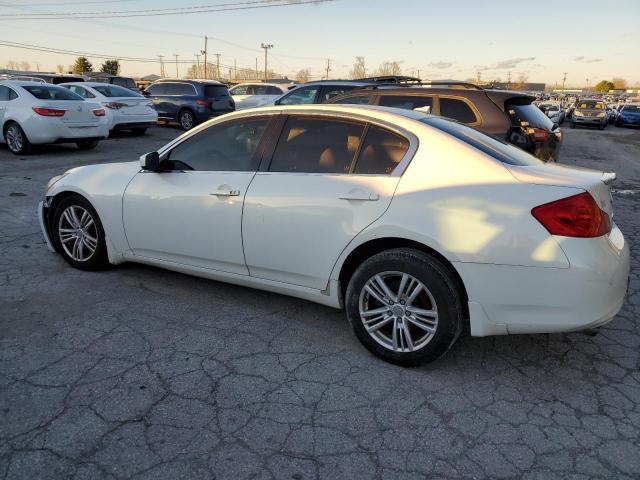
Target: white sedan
126 110
415 225
33 113
251 95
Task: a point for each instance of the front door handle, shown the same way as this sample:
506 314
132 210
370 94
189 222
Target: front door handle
226 193
360 195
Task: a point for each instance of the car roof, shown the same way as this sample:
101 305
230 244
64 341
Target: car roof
190 80
91 84
26 83
283 85
337 82
374 111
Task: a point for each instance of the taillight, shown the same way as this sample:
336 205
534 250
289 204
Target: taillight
99 112
202 102
49 112
115 105
539 134
575 216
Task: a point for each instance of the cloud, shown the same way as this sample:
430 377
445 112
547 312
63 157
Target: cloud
441 65
504 64
583 59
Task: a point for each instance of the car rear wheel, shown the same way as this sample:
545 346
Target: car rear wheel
78 234
404 306
187 119
87 144
16 140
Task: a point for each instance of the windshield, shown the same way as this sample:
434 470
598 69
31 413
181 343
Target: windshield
114 91
502 151
590 105
214 91
49 92
631 108
528 115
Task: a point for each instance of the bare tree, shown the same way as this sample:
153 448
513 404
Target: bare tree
388 68
619 83
192 72
359 69
13 65
60 68
25 66
303 75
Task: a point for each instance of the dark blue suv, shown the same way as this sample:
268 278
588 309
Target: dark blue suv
189 102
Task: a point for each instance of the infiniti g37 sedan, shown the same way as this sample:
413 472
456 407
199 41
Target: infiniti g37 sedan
416 225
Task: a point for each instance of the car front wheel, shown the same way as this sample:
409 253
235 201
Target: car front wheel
16 140
78 234
87 144
404 306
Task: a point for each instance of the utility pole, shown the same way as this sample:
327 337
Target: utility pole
235 70
266 47
478 75
257 74
217 65
587 84
161 65
328 69
197 65
508 80
204 52
177 73
564 79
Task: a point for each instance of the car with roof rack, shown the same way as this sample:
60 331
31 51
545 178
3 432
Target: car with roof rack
508 115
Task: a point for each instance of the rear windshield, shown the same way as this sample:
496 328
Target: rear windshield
215 91
631 108
51 92
57 80
528 115
115 91
498 149
590 105
124 82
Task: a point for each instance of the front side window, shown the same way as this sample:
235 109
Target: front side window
156 89
227 147
329 92
381 152
114 91
458 110
317 145
51 92
354 100
408 102
299 96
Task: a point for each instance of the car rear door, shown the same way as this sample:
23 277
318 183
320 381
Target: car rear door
327 179
156 94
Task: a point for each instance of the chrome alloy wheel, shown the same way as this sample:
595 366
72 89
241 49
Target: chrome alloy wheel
186 120
398 311
14 138
78 233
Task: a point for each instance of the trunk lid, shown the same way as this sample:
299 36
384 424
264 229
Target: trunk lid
595 182
77 112
134 105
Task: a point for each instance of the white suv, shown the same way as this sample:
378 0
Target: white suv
416 225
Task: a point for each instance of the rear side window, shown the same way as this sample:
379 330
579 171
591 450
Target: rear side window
179 89
499 150
528 115
354 100
215 91
156 89
408 102
458 110
114 91
7 94
381 152
329 92
51 93
316 145
240 90
83 92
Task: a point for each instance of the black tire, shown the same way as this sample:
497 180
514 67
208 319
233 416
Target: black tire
573 125
16 140
186 119
601 126
98 259
442 288
138 132
87 144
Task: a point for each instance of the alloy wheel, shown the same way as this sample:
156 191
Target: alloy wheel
186 120
14 139
398 311
78 233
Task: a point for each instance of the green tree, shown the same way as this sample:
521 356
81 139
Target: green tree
111 66
604 86
82 65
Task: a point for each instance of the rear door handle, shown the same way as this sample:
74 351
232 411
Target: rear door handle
226 193
360 195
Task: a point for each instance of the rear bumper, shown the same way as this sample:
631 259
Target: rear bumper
509 299
130 125
52 130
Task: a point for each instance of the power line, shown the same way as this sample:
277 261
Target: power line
226 7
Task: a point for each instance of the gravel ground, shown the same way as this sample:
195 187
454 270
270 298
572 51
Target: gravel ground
137 372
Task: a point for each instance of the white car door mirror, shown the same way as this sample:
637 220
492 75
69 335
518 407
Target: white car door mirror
150 161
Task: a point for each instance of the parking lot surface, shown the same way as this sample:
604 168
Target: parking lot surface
137 372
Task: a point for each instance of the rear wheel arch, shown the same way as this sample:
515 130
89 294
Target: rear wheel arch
378 245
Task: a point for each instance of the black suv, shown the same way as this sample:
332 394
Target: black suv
189 102
506 115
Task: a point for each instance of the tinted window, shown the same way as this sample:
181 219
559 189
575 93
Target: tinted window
83 92
408 102
381 152
457 109
528 115
179 89
630 109
240 90
57 80
7 94
590 105
354 100
314 145
300 95
114 91
226 148
501 151
329 92
215 91
124 82
51 93
156 89
271 90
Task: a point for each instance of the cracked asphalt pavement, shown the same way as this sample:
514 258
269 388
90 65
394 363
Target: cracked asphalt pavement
137 372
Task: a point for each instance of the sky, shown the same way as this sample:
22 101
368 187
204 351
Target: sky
538 40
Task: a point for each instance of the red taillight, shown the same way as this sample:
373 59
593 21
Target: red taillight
540 135
49 112
576 216
99 112
202 102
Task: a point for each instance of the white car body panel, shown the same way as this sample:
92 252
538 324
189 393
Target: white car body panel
78 122
251 100
468 207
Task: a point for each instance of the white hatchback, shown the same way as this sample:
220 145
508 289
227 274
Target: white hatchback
416 225
126 110
34 113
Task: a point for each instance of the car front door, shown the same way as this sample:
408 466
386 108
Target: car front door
156 94
327 180
190 212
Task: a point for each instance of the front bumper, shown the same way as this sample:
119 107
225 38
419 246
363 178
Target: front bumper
43 221
589 120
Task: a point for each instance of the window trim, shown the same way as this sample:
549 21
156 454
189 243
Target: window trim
473 108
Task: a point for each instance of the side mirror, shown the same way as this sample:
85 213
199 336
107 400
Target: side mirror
150 161
145 93
277 102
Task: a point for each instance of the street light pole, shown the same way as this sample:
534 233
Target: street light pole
177 73
266 47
